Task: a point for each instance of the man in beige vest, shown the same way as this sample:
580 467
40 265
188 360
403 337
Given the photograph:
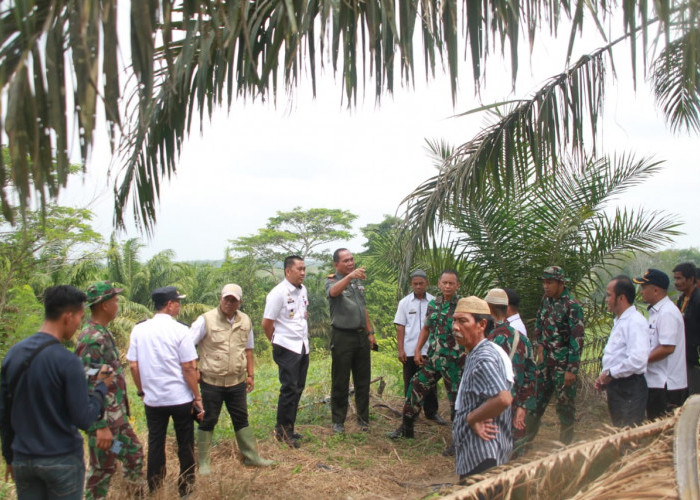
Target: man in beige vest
224 340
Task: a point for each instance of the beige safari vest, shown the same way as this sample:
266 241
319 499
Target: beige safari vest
222 359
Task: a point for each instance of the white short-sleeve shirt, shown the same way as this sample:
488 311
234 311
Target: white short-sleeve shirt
160 345
666 328
411 314
287 306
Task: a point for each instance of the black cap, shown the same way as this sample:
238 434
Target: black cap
654 277
166 293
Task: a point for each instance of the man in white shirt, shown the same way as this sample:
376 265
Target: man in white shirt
163 363
285 322
625 356
409 320
666 375
513 312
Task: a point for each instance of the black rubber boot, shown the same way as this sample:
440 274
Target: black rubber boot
404 430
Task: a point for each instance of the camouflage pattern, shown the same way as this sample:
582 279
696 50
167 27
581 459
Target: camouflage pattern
436 367
103 464
524 368
445 358
101 291
96 345
559 329
553 273
438 319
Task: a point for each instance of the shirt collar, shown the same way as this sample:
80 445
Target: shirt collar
627 312
513 317
290 287
659 305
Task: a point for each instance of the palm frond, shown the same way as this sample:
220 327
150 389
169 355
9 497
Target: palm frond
676 79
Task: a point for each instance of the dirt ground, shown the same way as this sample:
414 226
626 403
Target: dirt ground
359 465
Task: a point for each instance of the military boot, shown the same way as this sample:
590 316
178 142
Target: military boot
566 434
404 430
203 447
249 449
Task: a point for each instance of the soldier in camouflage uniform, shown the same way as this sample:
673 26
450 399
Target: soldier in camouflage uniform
444 360
519 349
96 345
558 342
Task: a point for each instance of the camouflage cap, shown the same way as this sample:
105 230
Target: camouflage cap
101 291
553 273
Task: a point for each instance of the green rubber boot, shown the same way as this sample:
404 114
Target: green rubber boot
203 447
249 449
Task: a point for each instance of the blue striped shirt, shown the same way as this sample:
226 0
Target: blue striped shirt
484 377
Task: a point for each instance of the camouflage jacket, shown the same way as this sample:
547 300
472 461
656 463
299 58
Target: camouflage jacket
524 369
96 345
438 319
559 329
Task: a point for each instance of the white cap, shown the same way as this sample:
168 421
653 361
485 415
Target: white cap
232 290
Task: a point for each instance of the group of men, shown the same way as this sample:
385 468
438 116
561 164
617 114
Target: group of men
181 373
650 366
498 380
520 379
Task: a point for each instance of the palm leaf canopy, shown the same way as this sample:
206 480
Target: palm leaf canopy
190 57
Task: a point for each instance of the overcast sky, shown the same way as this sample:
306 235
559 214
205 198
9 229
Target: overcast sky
312 153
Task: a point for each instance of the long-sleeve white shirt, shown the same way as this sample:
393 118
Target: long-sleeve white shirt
627 350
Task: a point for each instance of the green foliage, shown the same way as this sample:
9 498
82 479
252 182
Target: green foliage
299 232
507 235
21 317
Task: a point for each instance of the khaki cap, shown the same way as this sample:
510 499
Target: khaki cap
473 305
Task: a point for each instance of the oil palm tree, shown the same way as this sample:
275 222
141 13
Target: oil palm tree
187 58
509 235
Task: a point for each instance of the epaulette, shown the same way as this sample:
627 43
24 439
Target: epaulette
183 323
332 275
139 322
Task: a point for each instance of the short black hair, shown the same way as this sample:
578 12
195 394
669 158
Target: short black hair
624 286
336 254
61 299
289 261
687 269
499 308
513 298
450 271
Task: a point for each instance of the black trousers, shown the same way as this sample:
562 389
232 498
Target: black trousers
235 398
663 401
157 418
292 369
627 400
430 400
350 353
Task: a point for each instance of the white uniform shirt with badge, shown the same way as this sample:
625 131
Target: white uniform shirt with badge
160 345
666 328
411 314
287 306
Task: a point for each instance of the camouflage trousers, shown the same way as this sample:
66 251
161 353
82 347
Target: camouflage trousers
426 379
550 382
103 464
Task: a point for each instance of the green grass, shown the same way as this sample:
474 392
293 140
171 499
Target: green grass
314 407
